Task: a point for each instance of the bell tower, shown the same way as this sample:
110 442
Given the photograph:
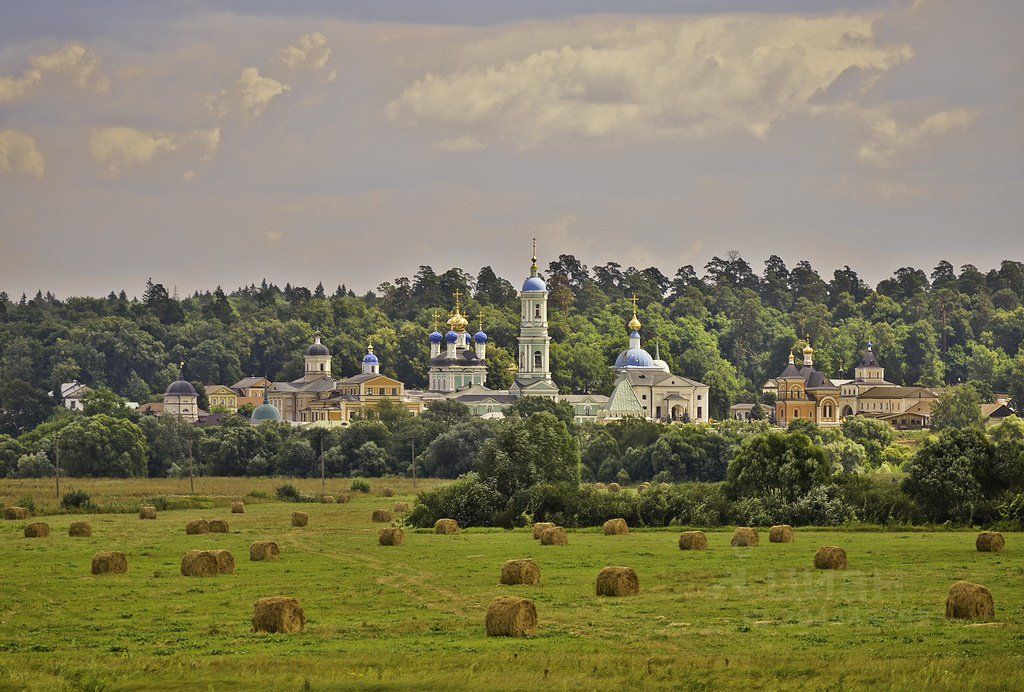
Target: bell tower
534 375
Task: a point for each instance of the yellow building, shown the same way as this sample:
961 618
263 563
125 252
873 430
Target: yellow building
222 396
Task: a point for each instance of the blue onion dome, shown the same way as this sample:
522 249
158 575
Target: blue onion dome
265 413
534 283
634 358
451 337
436 337
181 388
480 337
369 358
317 348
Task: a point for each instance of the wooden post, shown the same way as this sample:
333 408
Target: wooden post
323 469
414 463
56 457
191 478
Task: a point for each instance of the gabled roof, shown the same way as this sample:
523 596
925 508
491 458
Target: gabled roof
623 401
366 377
647 378
219 389
996 411
247 382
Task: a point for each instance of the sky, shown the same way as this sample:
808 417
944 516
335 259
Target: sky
220 143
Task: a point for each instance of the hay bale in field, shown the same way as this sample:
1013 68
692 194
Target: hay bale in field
401 507
539 527
643 487
300 519
197 526
80 529
199 563
381 516
600 486
830 557
511 616
392 535
15 513
238 507
261 551
328 499
744 537
554 535
278 614
524 571
37 529
614 487
970 602
615 527
617 581
109 562
693 540
147 512
782 533
388 492
446 526
217 526
225 561
990 542
344 497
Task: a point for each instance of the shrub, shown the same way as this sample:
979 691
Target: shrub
77 499
467 501
878 499
822 506
1012 509
28 503
161 503
288 493
360 486
33 466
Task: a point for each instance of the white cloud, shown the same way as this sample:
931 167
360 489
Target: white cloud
19 156
311 53
891 141
252 94
120 148
74 62
464 143
686 79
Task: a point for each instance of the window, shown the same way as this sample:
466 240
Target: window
537 360
586 410
698 397
394 391
536 311
796 413
700 413
321 367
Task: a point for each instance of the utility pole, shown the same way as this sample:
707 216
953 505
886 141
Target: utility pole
191 475
56 457
323 470
414 463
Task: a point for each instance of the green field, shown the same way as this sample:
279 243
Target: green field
413 616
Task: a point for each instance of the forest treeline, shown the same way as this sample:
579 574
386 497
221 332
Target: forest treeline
726 325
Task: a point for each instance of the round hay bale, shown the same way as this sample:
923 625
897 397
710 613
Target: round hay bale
614 487
80 529
511 616
199 563
279 614
600 486
554 535
388 492
782 533
618 581
693 540
381 516
261 551
446 526
392 535
970 602
225 561
328 499
238 507
197 526
990 542
344 497
217 526
744 537
401 507
524 571
15 513
643 487
830 557
37 529
109 562
615 527
147 512
300 519
539 527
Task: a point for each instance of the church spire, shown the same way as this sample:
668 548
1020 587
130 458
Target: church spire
533 267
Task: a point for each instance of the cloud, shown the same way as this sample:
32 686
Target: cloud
74 62
120 148
19 156
465 143
272 237
891 141
683 79
311 53
252 94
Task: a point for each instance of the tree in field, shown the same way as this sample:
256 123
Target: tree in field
456 450
1008 445
538 449
369 461
952 474
526 406
102 446
10 451
297 458
782 462
691 453
448 412
22 407
874 436
959 407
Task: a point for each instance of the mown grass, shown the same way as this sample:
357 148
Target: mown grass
412 616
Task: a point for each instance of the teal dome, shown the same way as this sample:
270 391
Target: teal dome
265 413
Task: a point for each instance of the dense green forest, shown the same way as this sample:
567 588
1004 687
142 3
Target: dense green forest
727 326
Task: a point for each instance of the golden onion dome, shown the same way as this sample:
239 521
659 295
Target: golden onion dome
634 324
457 322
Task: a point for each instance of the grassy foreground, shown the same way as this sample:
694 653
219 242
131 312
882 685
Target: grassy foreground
412 616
